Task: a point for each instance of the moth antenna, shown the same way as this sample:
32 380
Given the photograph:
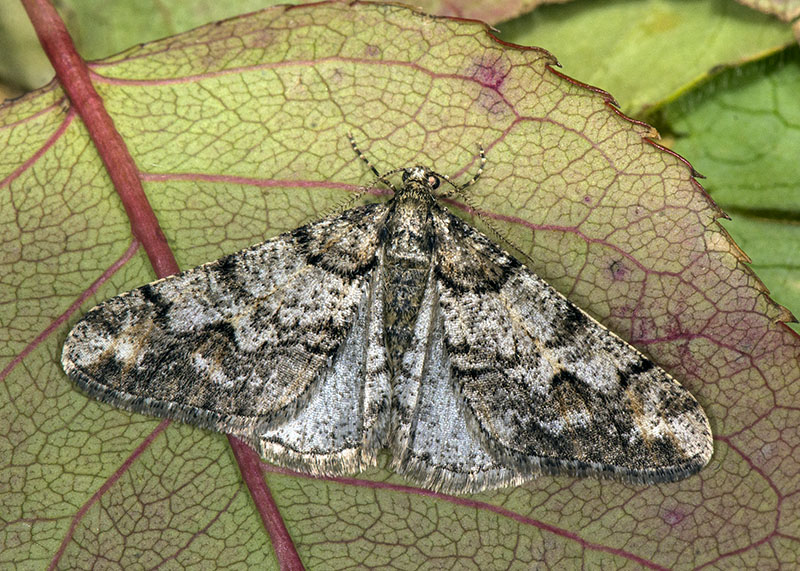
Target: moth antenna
478 174
460 189
363 157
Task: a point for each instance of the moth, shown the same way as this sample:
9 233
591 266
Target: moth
392 325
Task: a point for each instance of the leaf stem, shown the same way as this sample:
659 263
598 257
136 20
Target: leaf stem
74 76
250 466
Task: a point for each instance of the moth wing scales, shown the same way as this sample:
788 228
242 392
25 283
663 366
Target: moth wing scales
546 387
336 433
432 444
240 344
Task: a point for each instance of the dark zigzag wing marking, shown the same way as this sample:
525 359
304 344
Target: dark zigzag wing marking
549 388
236 341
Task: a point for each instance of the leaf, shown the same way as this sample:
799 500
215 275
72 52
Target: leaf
23 64
101 28
786 10
239 133
739 139
645 52
490 12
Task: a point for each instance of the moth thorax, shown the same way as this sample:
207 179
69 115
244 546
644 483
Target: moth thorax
408 233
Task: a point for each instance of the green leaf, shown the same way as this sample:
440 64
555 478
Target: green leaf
786 11
239 131
645 52
743 139
100 28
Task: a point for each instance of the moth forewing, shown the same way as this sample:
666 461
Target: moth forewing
392 324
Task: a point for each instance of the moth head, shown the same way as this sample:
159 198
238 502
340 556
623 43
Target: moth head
421 175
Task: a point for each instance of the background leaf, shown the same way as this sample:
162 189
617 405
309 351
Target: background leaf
649 51
238 130
786 10
741 139
101 28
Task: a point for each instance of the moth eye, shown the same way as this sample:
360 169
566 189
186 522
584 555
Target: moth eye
433 181
405 176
